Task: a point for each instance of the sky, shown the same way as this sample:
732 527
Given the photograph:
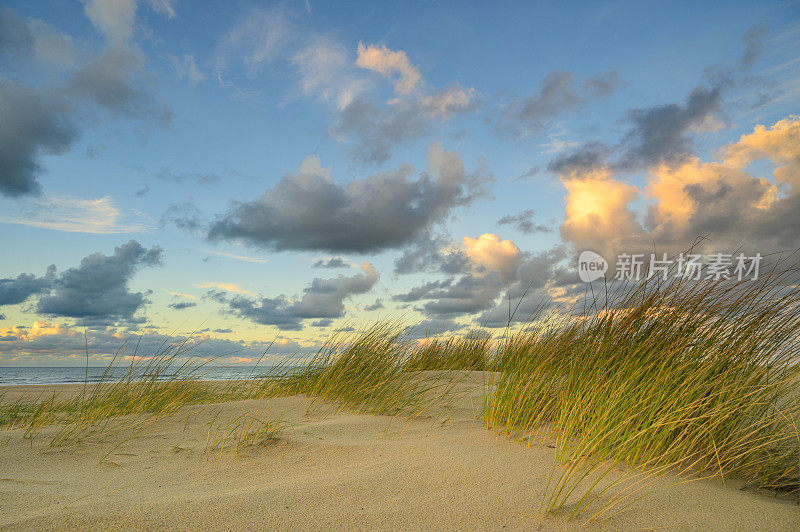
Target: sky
255 176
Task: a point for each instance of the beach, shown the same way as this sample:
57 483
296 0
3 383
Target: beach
330 470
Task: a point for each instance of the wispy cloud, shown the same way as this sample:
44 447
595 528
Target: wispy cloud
237 257
228 287
181 294
77 215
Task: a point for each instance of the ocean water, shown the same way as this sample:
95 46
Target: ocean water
47 375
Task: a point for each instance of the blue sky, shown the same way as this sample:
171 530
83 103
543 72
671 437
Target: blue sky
194 168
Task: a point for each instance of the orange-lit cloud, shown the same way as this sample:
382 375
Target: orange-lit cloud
387 63
491 253
228 287
780 144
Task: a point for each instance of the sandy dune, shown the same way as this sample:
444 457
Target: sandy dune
342 471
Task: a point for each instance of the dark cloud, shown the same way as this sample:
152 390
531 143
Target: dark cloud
432 327
536 275
15 37
426 254
182 305
117 82
753 40
557 94
530 173
17 290
372 131
47 120
584 158
226 330
378 130
34 124
322 300
185 216
422 291
308 211
97 291
470 294
660 134
2 317
333 262
524 222
377 305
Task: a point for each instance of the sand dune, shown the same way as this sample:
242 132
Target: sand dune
340 470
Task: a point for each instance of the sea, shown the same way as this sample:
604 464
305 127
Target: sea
67 375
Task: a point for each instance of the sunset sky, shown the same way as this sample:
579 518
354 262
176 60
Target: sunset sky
249 172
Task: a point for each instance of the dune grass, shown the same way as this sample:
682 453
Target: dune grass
694 377
367 372
468 352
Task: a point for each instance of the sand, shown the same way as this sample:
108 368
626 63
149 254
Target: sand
333 471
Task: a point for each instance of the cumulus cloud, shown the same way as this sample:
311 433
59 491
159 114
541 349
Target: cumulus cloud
429 253
35 123
558 93
308 211
47 120
322 300
97 291
488 265
489 253
17 290
114 18
722 201
391 64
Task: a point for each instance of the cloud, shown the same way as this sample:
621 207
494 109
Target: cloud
182 305
47 120
660 133
526 116
61 344
723 201
252 42
35 124
76 215
97 290
389 63
180 294
185 216
429 253
333 262
114 18
17 290
186 67
244 258
322 300
228 287
308 211
325 74
377 305
489 253
117 82
523 222
753 40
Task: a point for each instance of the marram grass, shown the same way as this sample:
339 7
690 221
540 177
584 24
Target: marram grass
694 377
